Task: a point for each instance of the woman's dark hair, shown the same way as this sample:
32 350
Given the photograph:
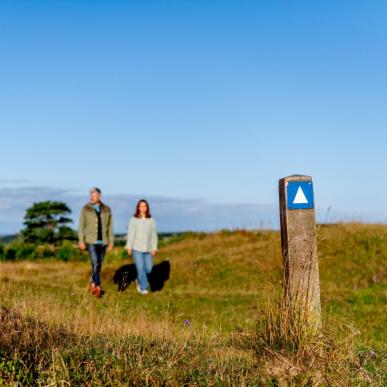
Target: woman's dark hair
137 213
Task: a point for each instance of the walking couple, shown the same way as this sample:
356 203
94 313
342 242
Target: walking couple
96 235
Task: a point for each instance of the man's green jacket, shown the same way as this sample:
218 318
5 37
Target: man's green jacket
88 225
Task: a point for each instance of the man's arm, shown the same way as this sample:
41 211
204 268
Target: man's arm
81 229
111 232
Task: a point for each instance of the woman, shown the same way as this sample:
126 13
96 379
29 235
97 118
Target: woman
142 243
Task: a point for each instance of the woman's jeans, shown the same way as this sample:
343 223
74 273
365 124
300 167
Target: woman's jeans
97 254
144 263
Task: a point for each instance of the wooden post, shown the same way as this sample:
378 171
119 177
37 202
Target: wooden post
299 251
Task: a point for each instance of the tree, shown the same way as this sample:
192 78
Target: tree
47 222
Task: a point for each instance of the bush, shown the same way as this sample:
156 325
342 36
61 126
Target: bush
10 253
45 251
69 252
18 250
65 251
25 251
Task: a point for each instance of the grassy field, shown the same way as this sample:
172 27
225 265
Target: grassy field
206 326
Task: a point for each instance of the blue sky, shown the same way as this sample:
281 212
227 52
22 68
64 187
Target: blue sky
206 103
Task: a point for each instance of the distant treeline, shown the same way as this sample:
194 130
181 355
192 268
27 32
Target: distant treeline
13 248
47 235
120 239
7 238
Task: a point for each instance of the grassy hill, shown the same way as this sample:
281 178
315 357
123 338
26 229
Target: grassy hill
203 327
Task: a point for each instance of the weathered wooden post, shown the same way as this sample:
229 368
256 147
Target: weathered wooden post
299 252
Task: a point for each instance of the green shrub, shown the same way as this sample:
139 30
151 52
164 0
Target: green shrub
25 251
18 250
45 251
69 252
124 254
10 253
65 251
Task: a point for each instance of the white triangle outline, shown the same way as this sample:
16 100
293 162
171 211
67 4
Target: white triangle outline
300 197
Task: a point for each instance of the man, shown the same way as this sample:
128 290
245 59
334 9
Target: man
96 234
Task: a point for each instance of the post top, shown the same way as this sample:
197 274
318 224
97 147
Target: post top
297 177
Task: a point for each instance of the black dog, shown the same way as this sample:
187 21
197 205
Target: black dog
126 274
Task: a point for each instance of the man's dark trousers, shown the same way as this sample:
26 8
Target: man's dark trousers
97 254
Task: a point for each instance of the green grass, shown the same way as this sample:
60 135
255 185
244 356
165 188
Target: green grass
219 283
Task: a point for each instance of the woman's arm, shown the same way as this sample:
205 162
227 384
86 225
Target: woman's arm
130 237
154 236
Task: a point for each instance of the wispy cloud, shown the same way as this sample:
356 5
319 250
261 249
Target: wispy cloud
13 181
172 214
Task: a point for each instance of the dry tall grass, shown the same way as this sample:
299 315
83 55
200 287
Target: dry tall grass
216 322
